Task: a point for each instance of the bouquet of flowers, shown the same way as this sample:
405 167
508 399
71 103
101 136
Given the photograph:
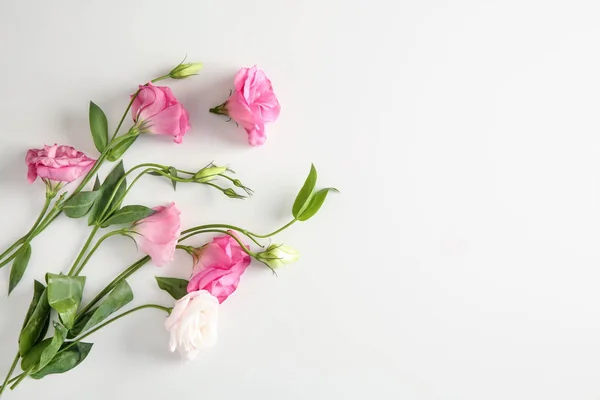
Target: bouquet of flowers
216 266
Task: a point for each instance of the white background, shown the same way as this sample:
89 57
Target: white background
460 259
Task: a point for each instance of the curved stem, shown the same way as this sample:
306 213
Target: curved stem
122 276
84 249
251 235
10 372
242 245
225 226
93 250
274 232
110 321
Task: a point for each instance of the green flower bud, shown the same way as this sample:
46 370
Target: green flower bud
229 192
184 70
208 174
278 255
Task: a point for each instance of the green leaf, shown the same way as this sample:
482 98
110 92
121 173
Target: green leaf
38 289
173 173
65 360
117 298
80 204
96 184
116 152
315 203
37 324
106 192
174 286
128 214
304 194
19 266
60 333
80 323
98 126
64 295
42 353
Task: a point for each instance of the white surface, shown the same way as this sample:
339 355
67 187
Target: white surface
460 260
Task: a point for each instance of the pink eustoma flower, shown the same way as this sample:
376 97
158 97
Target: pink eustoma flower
252 104
157 234
157 111
219 266
57 163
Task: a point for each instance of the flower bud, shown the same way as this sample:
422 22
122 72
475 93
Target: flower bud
185 70
209 173
278 255
229 192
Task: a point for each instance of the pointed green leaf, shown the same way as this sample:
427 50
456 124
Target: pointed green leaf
128 214
19 266
173 173
36 326
98 126
96 184
65 360
42 353
106 193
116 152
315 203
116 299
176 287
80 204
304 194
38 289
60 333
64 295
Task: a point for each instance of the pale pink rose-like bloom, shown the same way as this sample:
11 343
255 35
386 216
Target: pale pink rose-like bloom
193 323
157 234
160 111
57 163
253 103
219 266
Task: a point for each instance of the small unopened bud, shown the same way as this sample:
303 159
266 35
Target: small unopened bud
229 192
185 70
278 255
208 174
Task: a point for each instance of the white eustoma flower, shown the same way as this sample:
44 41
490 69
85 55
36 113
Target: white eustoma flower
193 323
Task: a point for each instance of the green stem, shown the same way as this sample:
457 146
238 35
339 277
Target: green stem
8 259
84 249
123 275
16 378
125 114
242 245
274 232
11 248
93 250
160 78
10 372
224 226
20 379
249 234
110 321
